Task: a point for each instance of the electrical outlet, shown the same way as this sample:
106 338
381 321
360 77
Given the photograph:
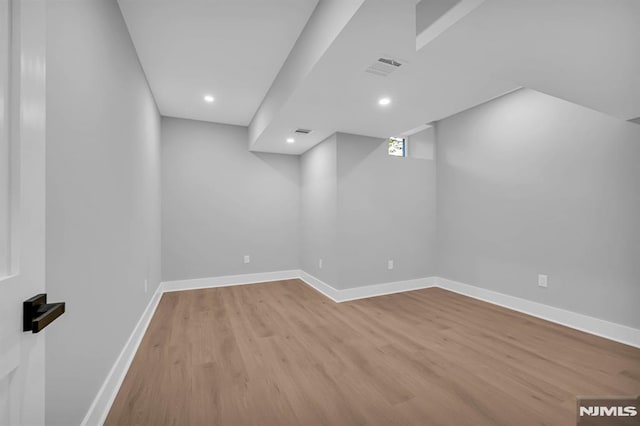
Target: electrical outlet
319 263
390 264
146 285
247 258
542 280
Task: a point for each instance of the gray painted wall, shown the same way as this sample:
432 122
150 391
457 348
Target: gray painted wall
319 210
422 144
429 11
529 184
386 210
361 208
221 202
103 199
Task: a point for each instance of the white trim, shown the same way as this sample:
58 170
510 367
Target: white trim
101 405
385 288
609 330
320 286
363 292
229 280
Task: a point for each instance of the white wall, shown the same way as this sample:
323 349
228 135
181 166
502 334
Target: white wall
529 184
428 12
361 208
386 211
319 210
422 144
221 202
4 136
103 199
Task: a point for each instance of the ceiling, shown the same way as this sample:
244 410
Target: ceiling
231 49
584 51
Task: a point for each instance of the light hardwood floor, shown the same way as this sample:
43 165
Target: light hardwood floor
282 354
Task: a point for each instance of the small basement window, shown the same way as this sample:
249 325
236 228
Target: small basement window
397 147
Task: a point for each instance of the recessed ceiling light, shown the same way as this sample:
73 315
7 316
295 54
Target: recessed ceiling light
290 140
208 98
384 101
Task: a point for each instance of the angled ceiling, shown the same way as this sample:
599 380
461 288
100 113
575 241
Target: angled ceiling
578 50
231 49
339 95
584 51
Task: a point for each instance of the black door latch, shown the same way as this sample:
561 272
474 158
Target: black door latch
37 313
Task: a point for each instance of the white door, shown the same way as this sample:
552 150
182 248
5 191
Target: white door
22 204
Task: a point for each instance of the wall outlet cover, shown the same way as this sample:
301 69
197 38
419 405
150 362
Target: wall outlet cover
247 258
543 280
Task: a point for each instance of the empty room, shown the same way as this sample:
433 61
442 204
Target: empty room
319 212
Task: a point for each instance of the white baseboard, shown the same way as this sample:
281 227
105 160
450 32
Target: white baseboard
364 292
97 413
101 405
609 330
229 280
106 395
320 286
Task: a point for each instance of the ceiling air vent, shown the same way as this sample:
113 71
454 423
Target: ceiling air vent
303 131
385 66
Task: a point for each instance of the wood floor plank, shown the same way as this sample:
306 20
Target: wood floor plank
282 354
